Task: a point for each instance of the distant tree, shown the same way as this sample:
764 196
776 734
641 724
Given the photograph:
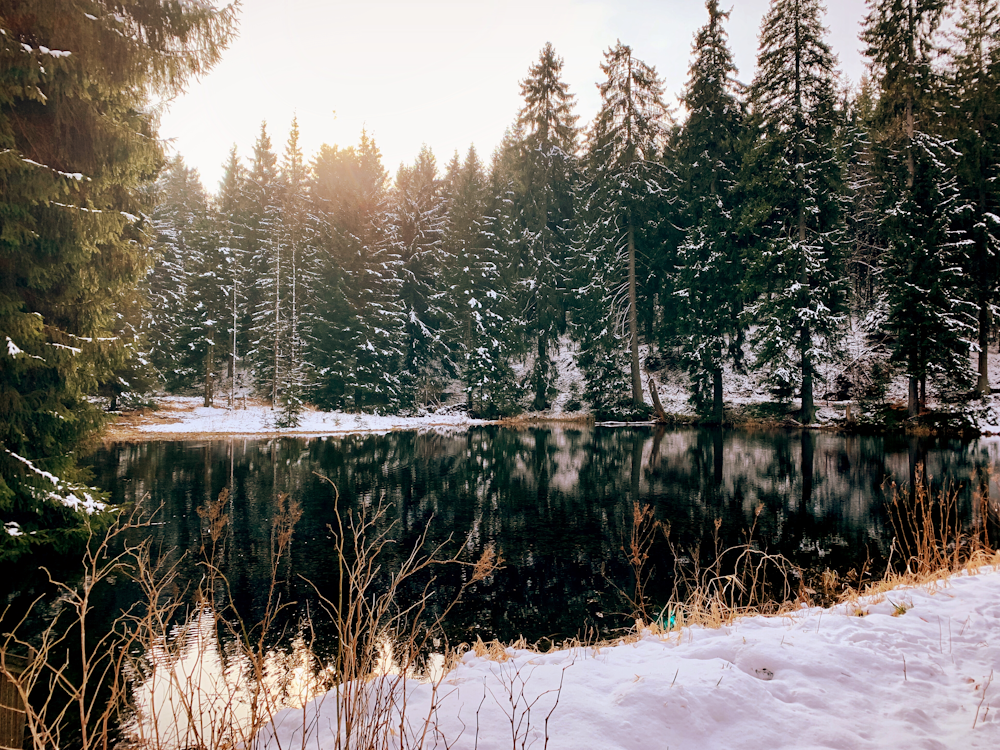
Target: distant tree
358 327
623 178
77 153
709 262
476 244
973 122
190 320
926 294
793 183
295 252
263 205
231 230
544 210
416 225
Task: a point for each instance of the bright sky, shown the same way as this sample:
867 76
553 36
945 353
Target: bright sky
441 72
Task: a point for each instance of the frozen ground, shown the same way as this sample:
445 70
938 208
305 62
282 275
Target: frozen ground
854 676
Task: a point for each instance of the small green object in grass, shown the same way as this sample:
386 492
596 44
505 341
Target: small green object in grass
670 621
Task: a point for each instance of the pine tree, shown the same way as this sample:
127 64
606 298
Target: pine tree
266 269
623 174
545 181
358 328
77 150
417 218
709 266
189 304
231 233
475 244
794 182
296 255
927 309
974 124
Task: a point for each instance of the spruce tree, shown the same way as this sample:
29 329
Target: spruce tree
231 232
973 121
544 186
928 312
793 181
189 310
709 266
266 268
77 152
475 242
623 180
296 253
417 218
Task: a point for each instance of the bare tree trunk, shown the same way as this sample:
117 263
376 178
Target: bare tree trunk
661 416
277 326
983 386
717 410
633 328
209 373
913 399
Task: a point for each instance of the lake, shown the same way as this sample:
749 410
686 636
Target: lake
555 501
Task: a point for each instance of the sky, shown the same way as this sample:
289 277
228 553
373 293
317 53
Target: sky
444 73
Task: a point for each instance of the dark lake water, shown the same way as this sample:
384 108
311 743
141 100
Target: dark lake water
555 501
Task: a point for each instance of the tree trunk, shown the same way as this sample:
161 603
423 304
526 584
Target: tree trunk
717 412
633 328
983 386
805 340
912 400
209 373
661 415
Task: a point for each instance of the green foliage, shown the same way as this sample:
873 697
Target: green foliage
77 150
793 183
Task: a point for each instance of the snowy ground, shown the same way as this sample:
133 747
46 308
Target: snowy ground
186 415
816 679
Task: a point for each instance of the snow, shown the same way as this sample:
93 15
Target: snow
915 669
257 419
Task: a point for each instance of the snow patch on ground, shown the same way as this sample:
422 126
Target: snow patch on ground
820 678
187 415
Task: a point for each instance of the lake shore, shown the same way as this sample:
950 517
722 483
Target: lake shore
914 665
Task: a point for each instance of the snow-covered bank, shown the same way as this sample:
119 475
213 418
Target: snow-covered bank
186 415
846 677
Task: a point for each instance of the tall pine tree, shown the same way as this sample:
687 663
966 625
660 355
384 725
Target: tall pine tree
709 266
544 206
623 178
928 312
77 152
793 183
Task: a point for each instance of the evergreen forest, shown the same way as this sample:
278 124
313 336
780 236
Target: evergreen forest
752 229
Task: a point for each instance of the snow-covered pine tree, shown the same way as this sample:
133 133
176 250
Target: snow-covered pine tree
78 150
180 206
230 217
200 333
928 309
474 242
263 190
973 121
709 263
416 224
358 328
544 206
793 183
299 279
623 182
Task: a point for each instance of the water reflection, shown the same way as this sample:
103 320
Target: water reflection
556 502
192 689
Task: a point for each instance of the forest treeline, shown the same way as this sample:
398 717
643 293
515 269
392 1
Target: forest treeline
751 229
769 217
